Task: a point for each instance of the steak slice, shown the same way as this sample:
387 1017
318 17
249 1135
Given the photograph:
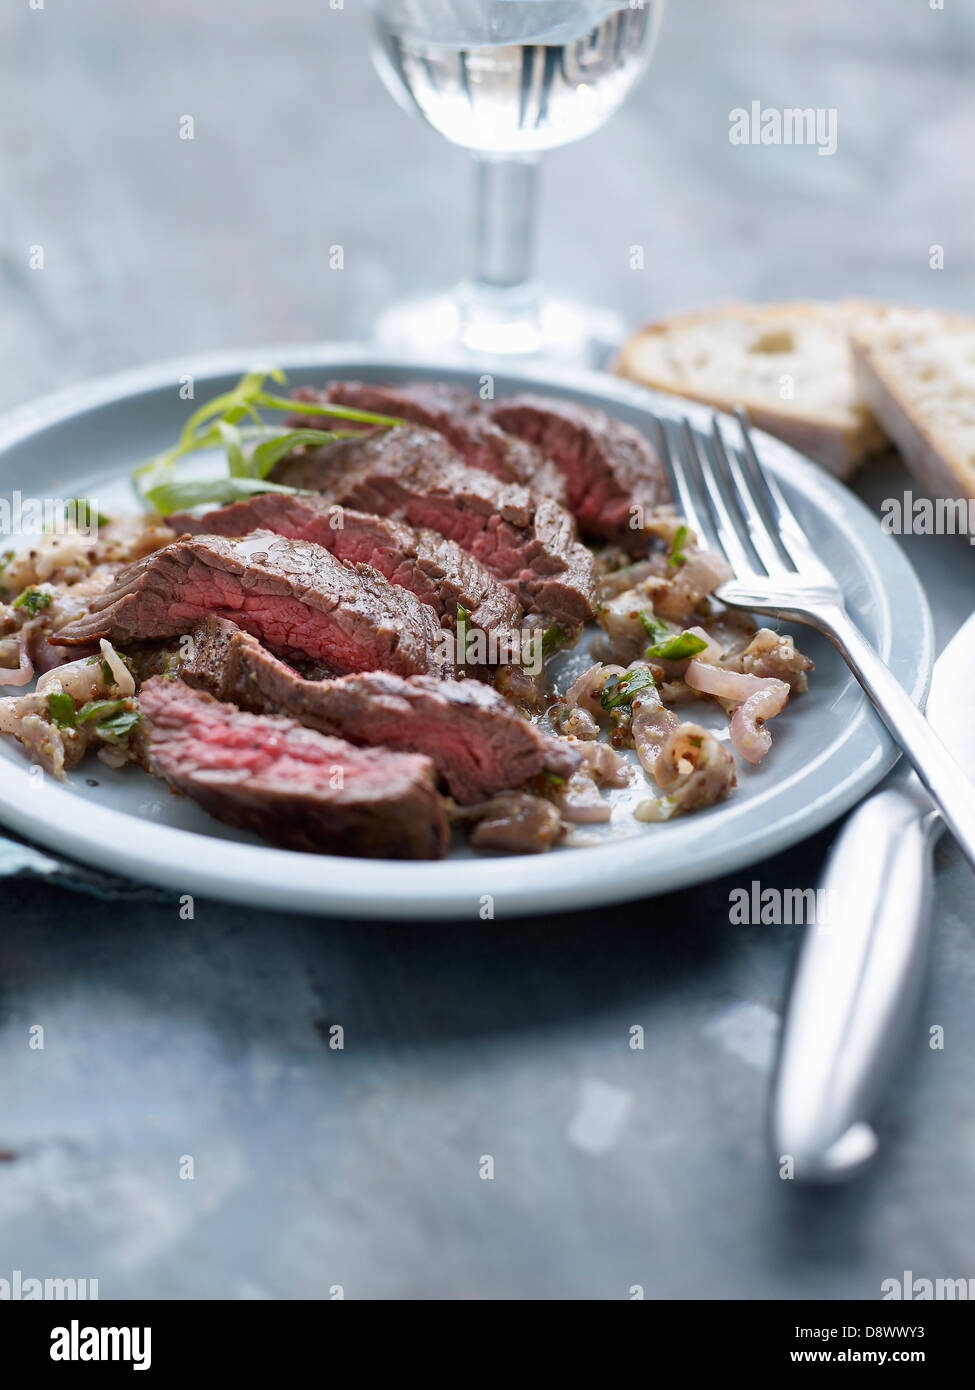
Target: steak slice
295 787
294 595
437 571
411 473
478 743
613 475
459 417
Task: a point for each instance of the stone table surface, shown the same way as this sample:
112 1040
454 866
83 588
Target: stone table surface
167 1040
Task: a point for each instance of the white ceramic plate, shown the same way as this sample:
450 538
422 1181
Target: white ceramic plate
828 747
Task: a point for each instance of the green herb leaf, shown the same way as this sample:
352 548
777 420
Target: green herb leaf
120 725
620 690
234 445
216 424
269 453
463 630
655 628
84 514
99 709
178 496
32 600
342 412
678 648
61 710
552 639
6 558
231 406
553 777
677 556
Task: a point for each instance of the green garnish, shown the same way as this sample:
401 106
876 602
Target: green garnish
217 424
677 556
32 600
6 558
552 639
463 630
85 514
340 412
620 690
553 777
655 628
678 648
179 496
60 708
114 729
97 709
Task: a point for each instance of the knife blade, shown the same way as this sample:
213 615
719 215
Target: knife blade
860 972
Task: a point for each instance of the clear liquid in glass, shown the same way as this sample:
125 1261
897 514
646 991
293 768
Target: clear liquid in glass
513 77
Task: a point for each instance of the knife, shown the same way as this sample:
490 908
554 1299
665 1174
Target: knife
860 971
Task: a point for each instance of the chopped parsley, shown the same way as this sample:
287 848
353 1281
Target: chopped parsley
99 709
463 630
677 556
620 690
32 600
84 514
108 675
678 648
554 778
114 729
552 639
655 629
61 710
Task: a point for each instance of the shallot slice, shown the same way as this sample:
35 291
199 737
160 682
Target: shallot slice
23 672
759 698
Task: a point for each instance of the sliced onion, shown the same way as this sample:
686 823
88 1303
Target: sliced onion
748 732
23 674
123 676
724 685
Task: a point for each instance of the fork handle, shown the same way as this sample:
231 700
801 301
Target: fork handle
948 785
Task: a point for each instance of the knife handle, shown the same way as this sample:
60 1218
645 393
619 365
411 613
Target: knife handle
856 985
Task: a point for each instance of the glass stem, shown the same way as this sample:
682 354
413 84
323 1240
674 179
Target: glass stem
505 227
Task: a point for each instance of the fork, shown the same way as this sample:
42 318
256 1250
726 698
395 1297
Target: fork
736 507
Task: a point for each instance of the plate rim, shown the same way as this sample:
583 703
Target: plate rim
614 868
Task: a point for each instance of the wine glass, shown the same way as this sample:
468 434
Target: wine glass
508 79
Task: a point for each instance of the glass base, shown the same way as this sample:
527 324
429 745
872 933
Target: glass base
464 325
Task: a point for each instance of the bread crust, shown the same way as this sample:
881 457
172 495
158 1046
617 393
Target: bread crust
941 472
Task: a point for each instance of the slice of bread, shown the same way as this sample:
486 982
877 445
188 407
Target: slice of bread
788 364
916 370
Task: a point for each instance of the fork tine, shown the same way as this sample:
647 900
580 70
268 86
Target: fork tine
762 537
685 490
790 535
729 537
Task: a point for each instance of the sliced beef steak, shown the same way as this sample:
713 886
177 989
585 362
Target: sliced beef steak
479 744
297 597
460 418
439 572
295 787
412 473
613 475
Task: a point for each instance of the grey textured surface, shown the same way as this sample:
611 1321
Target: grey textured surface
316 1167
